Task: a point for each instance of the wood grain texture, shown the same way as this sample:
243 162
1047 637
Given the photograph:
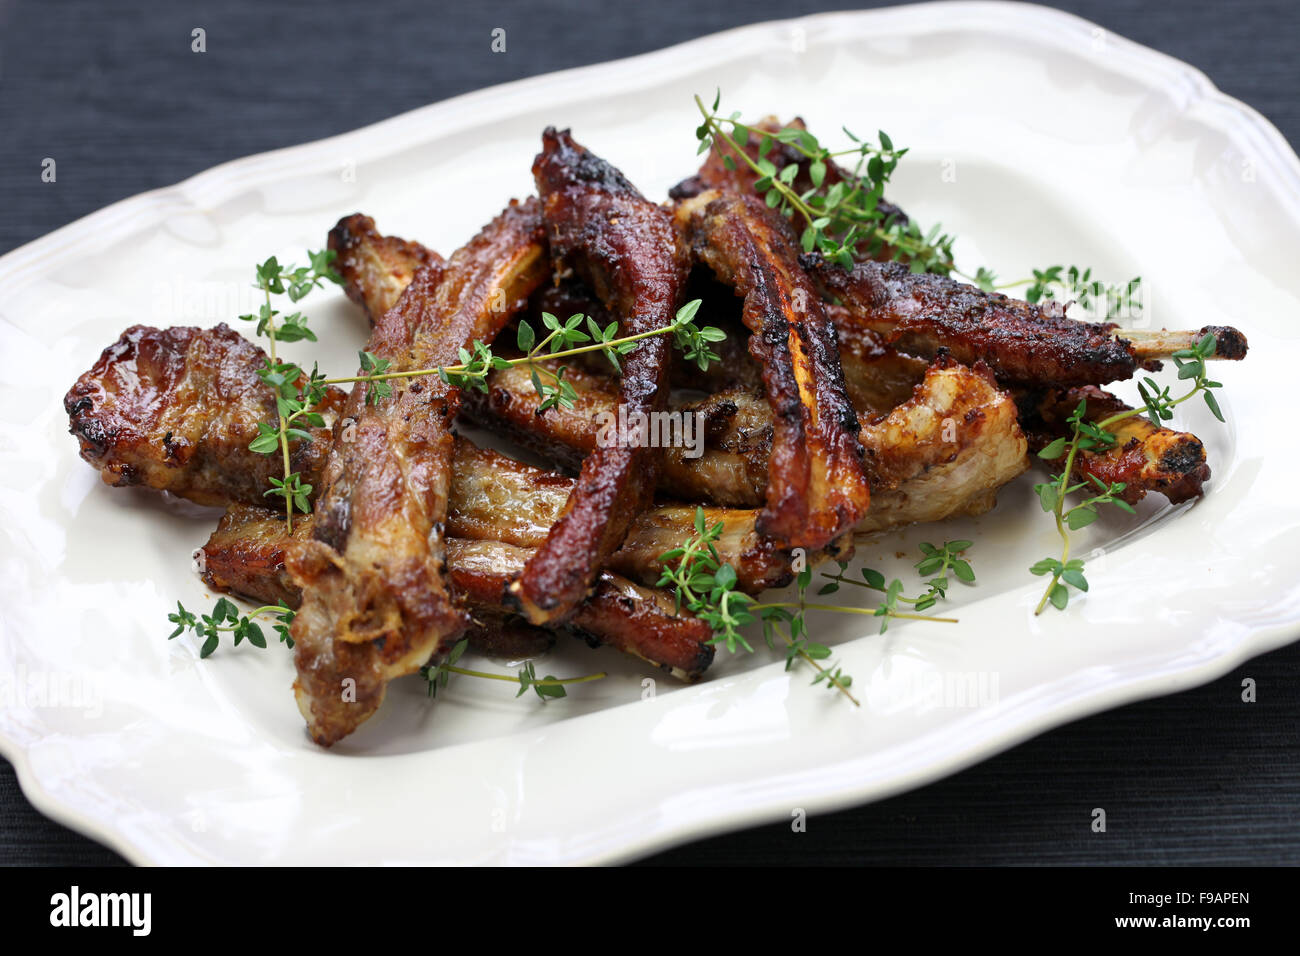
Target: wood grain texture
115 95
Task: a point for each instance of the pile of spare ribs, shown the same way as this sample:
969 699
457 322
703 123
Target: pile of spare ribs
847 402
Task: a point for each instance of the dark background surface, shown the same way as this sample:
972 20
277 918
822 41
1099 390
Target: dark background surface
113 92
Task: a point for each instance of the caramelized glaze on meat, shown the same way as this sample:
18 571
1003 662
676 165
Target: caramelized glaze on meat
637 620
376 269
735 428
1023 344
491 496
877 377
245 555
719 308
1145 457
817 410
565 436
624 248
175 409
816 487
927 428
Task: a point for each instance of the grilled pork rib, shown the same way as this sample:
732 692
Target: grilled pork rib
376 269
245 555
1025 345
491 498
718 307
624 247
494 497
640 621
1145 457
175 409
944 453
376 604
817 489
865 386
878 377
948 412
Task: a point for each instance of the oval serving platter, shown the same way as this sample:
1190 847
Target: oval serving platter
1036 137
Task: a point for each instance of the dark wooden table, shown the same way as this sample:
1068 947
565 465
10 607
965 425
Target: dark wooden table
113 92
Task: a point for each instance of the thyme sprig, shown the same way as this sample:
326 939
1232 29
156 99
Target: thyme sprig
225 618
706 586
294 397
577 335
844 218
789 623
1069 285
1066 572
836 217
546 688
942 559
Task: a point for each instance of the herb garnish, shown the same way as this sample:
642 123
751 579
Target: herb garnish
1067 572
845 219
225 617
838 217
563 340
706 586
294 402
945 558
546 688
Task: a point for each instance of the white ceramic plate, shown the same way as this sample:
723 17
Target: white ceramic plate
1035 136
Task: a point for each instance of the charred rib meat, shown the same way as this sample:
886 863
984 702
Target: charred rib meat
1145 457
491 496
1025 345
637 620
816 488
624 248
